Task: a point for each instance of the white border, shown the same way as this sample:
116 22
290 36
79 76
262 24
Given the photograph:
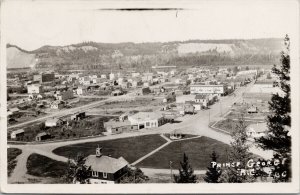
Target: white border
292 187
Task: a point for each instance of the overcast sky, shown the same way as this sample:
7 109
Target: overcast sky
32 24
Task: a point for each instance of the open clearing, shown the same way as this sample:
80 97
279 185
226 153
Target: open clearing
131 148
230 125
41 166
198 151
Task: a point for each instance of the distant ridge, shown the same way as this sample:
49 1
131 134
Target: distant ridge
93 55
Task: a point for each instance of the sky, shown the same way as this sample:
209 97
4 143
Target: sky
32 24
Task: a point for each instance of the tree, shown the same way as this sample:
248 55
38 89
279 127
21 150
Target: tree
279 121
134 175
235 69
213 173
186 172
239 152
77 171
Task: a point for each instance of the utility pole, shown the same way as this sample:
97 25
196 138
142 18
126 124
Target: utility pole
220 107
208 116
171 170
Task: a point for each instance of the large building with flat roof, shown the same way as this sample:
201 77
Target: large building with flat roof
208 89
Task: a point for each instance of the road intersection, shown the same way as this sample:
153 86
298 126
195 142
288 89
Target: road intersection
197 124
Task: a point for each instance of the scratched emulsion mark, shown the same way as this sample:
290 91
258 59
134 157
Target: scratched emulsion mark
140 9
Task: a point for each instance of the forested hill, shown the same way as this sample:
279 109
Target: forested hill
92 55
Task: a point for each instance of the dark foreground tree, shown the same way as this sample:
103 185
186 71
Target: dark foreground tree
186 172
134 175
279 121
213 173
77 171
239 152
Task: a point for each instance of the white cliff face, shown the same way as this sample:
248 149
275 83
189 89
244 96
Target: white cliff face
19 59
204 47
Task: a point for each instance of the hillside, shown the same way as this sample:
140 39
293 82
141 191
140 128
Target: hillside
19 59
92 55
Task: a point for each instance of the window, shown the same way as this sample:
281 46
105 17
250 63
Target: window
147 124
104 175
94 173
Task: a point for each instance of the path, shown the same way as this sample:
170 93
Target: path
153 151
150 172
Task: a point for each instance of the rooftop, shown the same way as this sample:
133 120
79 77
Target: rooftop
258 127
105 164
141 116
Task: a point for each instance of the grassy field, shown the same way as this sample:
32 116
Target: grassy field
12 154
131 104
131 148
41 166
198 151
229 124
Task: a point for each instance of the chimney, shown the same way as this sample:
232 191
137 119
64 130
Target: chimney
98 152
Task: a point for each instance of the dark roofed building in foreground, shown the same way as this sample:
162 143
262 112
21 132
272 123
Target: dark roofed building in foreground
105 169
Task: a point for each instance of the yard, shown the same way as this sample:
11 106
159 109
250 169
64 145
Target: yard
84 101
41 166
198 151
12 154
131 148
131 104
90 126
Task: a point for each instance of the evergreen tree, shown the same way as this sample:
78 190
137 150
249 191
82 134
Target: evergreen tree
239 152
213 173
134 175
77 171
186 172
279 121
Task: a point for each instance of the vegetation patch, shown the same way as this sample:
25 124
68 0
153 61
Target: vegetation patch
229 125
12 154
131 148
41 166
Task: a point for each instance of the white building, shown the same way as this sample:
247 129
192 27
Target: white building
34 88
207 89
111 76
256 130
53 122
17 133
146 119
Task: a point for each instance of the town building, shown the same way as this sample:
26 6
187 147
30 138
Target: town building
146 119
65 95
256 130
57 104
17 134
81 90
116 93
202 98
34 88
42 136
106 169
53 122
78 116
47 77
115 127
208 89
